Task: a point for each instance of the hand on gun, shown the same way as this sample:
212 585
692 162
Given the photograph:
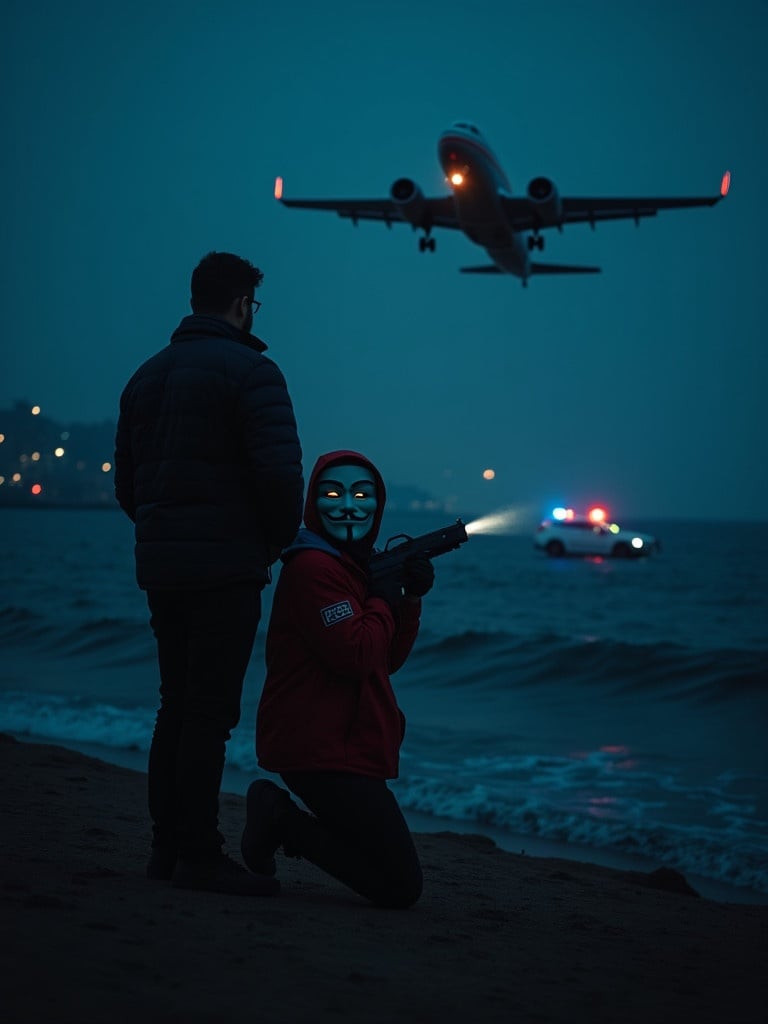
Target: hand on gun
418 577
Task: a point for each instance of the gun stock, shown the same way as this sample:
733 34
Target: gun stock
399 548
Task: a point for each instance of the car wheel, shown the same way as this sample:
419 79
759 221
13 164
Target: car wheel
622 551
555 549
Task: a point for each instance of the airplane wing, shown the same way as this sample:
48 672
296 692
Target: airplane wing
523 215
438 213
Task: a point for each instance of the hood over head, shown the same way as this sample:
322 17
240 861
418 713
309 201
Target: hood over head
359 548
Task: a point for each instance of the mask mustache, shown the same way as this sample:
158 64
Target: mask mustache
353 514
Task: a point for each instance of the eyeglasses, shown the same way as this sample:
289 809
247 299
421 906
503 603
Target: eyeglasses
256 306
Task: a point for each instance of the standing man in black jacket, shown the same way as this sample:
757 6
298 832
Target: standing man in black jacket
208 467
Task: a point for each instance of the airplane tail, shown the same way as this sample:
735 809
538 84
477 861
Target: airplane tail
562 268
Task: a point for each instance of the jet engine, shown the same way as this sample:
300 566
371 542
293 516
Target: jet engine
409 199
545 200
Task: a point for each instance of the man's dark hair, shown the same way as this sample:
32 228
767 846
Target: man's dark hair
219 278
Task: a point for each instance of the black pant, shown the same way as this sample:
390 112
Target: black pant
358 835
204 643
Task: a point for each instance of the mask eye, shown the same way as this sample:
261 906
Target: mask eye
362 494
331 494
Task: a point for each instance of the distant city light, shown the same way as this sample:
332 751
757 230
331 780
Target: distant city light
16 478
35 456
36 488
489 474
105 467
58 452
35 410
2 480
2 438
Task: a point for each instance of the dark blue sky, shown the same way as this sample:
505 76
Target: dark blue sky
138 137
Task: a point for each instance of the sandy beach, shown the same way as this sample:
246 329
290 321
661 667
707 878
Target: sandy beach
497 936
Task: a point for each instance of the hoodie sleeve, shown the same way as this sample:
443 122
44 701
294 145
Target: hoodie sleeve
349 636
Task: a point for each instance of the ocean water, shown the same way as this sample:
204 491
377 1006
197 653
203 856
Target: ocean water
606 710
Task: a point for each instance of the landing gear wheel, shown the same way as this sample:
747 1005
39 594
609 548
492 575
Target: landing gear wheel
426 244
535 242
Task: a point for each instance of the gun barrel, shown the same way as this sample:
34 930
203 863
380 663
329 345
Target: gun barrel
428 545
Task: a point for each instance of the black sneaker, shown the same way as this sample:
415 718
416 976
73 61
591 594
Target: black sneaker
261 837
222 875
161 864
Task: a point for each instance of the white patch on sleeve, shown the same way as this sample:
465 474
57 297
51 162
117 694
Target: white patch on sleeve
336 612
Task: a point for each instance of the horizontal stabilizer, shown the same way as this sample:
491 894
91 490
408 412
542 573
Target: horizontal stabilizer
487 268
562 268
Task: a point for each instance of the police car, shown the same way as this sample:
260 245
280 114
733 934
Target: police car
567 533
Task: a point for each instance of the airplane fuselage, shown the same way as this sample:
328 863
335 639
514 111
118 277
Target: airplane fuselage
477 181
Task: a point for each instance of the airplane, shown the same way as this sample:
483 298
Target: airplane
482 206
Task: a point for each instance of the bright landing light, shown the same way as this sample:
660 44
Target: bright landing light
457 179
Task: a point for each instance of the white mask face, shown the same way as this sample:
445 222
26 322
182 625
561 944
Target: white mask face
346 501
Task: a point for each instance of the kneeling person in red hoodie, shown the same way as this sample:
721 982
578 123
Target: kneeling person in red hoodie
328 720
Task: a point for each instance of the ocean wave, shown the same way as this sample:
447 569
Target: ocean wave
690 849
117 640
503 660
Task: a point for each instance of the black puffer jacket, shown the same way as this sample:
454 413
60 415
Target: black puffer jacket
207 459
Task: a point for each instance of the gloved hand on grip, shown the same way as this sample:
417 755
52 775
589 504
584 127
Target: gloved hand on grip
388 588
418 576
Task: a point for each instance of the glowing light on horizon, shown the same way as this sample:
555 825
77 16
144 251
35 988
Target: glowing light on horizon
58 452
2 438
35 456
278 188
105 467
489 474
16 478
35 410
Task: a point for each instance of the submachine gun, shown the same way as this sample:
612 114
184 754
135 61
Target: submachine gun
399 548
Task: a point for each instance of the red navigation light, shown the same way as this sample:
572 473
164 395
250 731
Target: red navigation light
597 514
725 184
278 188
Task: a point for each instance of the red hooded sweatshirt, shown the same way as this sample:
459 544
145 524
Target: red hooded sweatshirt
327 703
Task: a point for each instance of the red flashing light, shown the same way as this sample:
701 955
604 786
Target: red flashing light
725 184
597 514
36 488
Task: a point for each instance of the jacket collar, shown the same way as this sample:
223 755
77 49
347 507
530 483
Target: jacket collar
203 325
